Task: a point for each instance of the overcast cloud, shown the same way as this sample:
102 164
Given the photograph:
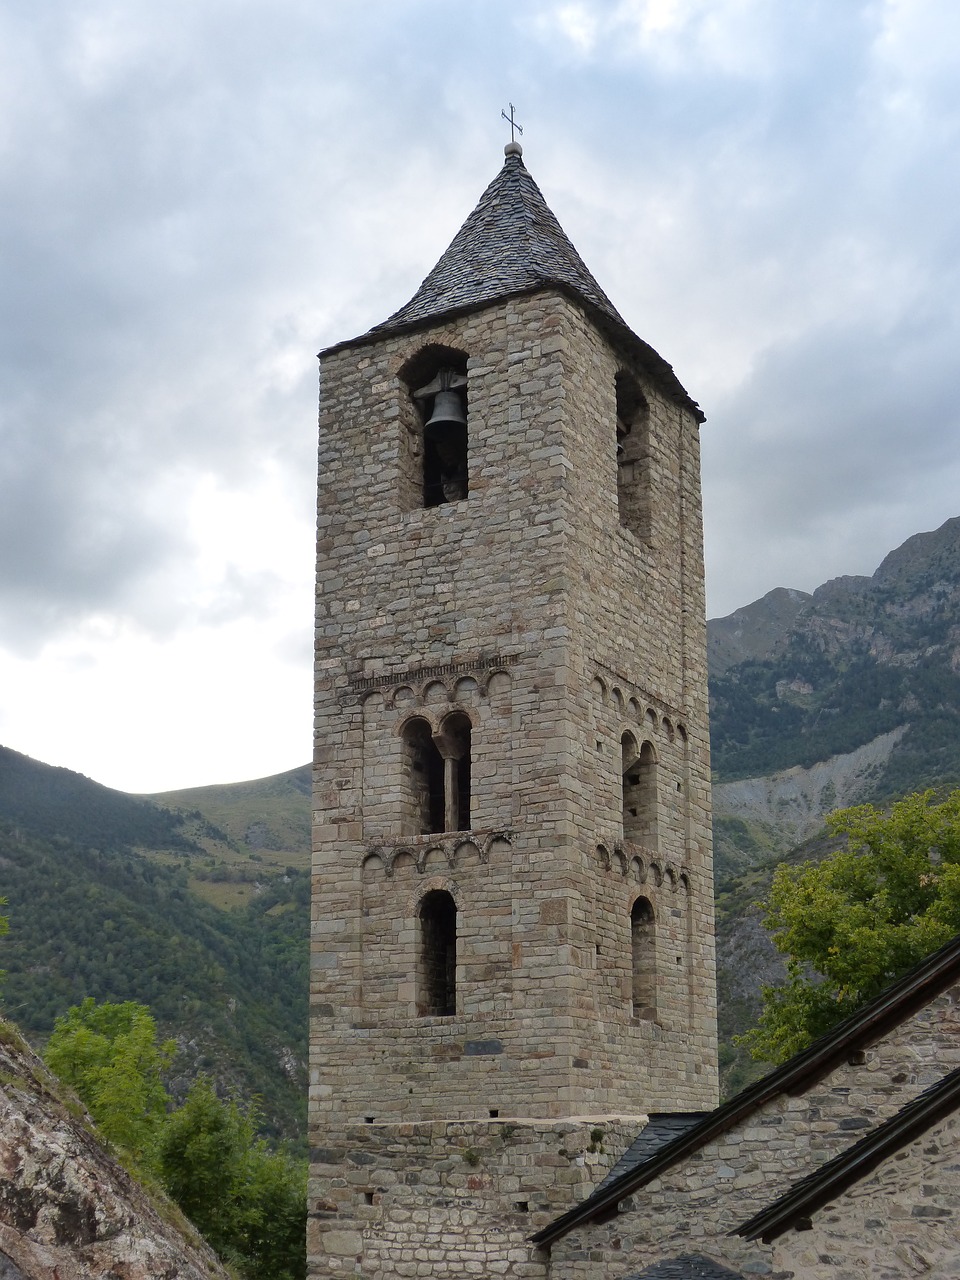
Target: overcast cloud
196 197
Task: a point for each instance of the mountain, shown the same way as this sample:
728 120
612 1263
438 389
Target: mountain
798 681
196 902
818 702
119 898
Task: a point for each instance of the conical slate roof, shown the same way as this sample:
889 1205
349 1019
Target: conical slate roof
510 244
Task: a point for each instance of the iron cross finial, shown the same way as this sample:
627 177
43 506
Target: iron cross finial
514 127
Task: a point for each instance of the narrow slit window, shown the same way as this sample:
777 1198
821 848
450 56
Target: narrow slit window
437 968
633 458
643 947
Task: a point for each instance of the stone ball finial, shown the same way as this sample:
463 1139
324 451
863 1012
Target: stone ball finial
513 149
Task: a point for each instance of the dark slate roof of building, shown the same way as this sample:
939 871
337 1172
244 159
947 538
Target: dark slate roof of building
691 1266
512 244
833 1178
898 1002
660 1129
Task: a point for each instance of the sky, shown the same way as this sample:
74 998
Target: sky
196 197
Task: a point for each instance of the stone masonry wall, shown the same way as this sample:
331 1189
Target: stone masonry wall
502 606
693 1206
899 1222
437 1199
568 642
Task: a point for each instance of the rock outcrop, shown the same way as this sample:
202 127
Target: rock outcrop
68 1210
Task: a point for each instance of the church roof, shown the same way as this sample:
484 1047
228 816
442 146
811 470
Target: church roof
512 244
833 1178
891 1007
660 1129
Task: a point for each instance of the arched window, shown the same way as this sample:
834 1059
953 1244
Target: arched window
633 457
643 954
437 960
423 802
435 463
639 792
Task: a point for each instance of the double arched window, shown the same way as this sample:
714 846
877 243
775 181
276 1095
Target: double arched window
437 766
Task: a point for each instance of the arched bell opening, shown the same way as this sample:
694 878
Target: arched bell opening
437 958
438 462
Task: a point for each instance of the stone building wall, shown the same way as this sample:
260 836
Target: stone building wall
572 645
899 1222
694 1205
451 1200
501 607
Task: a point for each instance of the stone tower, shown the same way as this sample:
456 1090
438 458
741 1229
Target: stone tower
512 938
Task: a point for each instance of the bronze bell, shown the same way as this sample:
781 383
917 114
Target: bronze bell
447 410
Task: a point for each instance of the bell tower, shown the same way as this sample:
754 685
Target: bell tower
512 929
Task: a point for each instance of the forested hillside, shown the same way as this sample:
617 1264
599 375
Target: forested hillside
108 896
196 903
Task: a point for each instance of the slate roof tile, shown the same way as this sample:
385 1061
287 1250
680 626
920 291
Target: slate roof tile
510 244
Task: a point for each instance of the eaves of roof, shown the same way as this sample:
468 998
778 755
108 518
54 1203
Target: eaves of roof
834 1177
898 1002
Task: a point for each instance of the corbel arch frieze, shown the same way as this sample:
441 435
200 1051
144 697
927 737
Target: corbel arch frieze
630 862
636 706
426 854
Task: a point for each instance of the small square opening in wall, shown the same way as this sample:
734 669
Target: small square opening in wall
368 1119
368 1197
857 1058
522 1206
599 745
494 1114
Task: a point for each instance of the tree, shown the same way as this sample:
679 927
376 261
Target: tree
109 1054
248 1201
863 916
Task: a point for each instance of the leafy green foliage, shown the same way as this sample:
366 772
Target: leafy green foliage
248 1201
860 918
109 1055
